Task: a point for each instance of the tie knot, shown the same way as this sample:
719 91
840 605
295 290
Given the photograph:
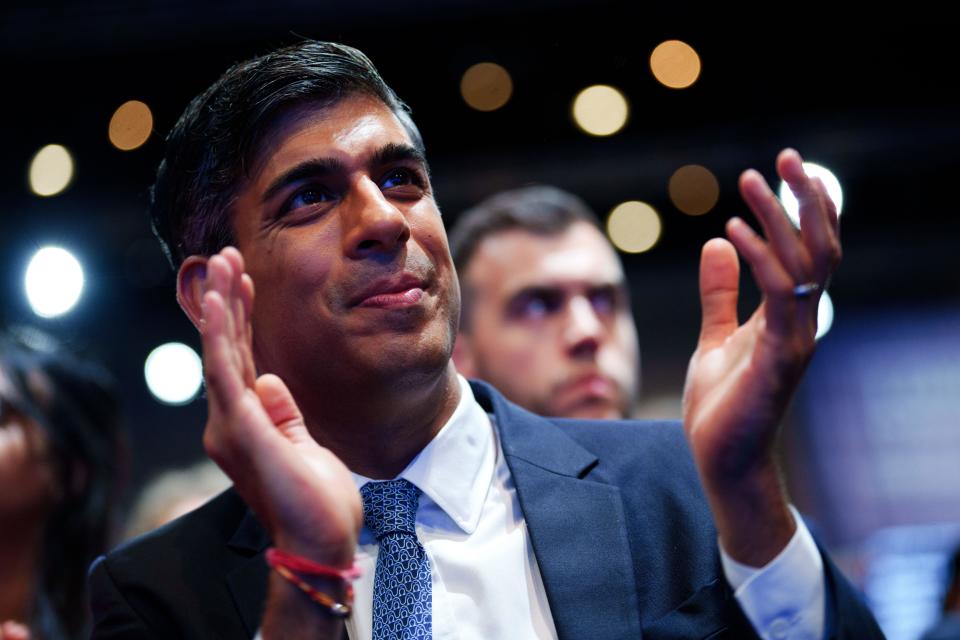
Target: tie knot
390 507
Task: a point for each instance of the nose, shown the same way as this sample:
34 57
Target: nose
373 224
583 330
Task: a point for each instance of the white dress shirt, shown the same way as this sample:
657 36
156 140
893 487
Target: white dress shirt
486 581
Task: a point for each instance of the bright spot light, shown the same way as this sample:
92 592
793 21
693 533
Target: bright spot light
675 64
634 227
824 315
173 372
51 170
790 204
600 110
130 125
486 86
53 282
693 189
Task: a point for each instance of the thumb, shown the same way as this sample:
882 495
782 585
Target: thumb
278 403
719 287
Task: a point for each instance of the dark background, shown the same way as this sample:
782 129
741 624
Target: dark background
872 98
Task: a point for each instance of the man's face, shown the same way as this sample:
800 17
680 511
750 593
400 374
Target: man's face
550 323
341 235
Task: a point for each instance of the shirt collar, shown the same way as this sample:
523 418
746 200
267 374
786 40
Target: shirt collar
456 468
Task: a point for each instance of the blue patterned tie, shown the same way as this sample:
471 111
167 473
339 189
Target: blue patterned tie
402 587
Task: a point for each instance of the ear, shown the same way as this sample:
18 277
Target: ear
463 356
190 287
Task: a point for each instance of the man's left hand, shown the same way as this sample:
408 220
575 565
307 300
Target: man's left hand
741 377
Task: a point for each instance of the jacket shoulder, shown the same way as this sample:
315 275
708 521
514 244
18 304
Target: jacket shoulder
161 582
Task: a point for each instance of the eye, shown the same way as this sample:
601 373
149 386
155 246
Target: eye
307 197
534 305
401 177
605 300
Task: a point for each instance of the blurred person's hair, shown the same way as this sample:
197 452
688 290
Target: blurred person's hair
951 597
538 209
210 148
161 499
72 400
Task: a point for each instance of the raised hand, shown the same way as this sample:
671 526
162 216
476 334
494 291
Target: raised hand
301 491
741 377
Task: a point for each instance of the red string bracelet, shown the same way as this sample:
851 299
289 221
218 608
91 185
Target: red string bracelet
288 565
299 564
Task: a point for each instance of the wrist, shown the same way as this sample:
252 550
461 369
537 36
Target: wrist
336 555
752 515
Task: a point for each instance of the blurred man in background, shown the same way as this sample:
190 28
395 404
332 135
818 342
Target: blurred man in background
172 494
546 312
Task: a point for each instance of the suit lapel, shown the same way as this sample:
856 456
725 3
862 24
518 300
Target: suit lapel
587 569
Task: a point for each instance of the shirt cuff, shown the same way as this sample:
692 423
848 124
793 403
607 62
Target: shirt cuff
787 597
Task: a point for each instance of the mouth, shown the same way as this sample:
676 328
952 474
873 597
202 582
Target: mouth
395 292
588 387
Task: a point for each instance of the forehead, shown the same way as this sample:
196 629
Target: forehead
340 131
515 259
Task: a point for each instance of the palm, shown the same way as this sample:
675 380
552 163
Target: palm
727 421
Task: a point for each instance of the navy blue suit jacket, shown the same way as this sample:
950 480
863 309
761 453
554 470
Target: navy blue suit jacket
619 525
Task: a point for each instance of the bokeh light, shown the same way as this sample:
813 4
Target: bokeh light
51 170
693 189
675 64
634 227
834 190
173 372
53 282
824 315
130 125
486 86
601 110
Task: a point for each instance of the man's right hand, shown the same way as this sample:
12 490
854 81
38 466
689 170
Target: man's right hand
302 492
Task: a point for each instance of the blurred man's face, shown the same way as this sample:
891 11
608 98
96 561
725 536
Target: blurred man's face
550 323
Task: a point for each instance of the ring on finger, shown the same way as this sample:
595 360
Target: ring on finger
805 289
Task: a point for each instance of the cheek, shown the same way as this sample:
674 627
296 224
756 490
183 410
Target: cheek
525 352
620 358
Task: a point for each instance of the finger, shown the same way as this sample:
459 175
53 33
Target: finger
817 215
224 380
784 241
220 279
279 404
719 288
247 295
771 276
223 276
241 306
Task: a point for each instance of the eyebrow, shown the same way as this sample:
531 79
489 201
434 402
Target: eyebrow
319 167
397 152
315 168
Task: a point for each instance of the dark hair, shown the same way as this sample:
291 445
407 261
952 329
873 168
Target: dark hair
72 401
538 209
209 148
